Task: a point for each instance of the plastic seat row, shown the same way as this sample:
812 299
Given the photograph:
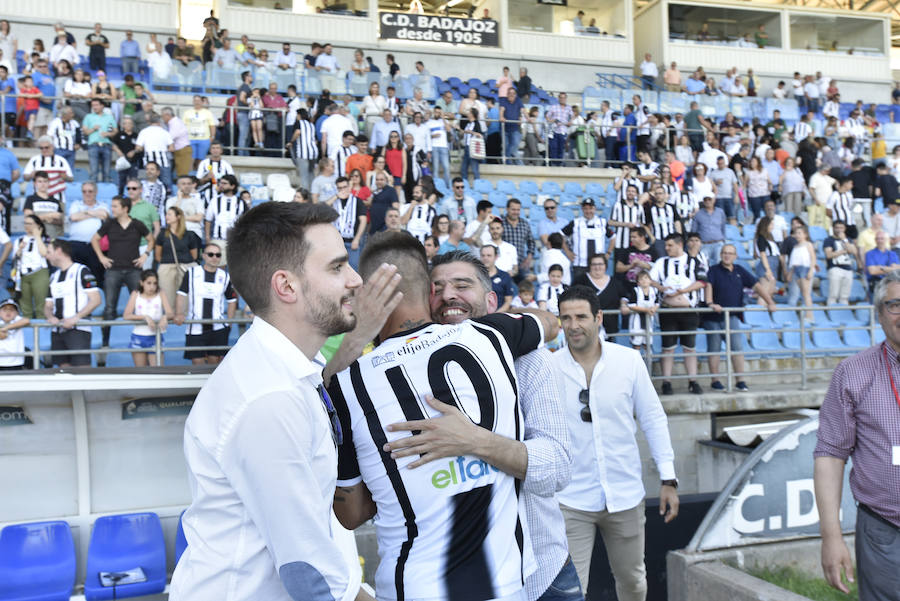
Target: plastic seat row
38 563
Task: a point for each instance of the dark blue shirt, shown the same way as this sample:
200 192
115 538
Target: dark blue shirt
502 285
728 288
511 110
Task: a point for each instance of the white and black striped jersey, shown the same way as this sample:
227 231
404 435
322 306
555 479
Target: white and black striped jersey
801 131
651 168
215 168
841 205
625 213
392 103
65 134
661 220
155 141
305 146
57 169
549 294
208 294
587 237
155 193
637 322
340 155
222 212
628 181
676 273
704 267
671 189
685 203
69 289
420 221
30 260
349 212
454 529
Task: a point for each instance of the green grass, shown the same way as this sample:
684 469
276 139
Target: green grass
813 588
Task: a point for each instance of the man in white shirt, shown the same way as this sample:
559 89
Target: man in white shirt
227 57
420 132
327 61
811 91
188 200
649 72
477 232
438 127
507 255
156 143
711 153
333 128
832 108
287 59
604 387
261 441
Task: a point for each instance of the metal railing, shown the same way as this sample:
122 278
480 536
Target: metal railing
37 354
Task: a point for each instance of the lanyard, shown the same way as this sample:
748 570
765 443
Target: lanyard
888 366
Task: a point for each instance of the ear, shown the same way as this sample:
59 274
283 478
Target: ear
285 286
600 317
492 302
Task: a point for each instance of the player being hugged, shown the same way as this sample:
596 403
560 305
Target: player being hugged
454 529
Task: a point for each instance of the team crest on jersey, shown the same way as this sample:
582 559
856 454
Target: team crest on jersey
382 359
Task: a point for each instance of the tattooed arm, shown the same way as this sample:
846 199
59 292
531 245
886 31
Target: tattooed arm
353 505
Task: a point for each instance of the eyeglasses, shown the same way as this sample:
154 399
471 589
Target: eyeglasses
213 254
45 147
584 397
549 208
892 306
336 434
458 187
132 188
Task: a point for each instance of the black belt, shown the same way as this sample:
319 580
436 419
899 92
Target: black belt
871 512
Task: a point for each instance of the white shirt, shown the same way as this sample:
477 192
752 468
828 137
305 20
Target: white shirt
421 135
473 226
551 257
811 89
64 52
437 133
710 157
649 68
13 343
780 93
327 62
333 129
507 255
190 206
154 139
606 474
289 59
373 106
262 471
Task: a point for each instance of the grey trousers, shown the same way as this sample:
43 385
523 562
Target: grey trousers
877 557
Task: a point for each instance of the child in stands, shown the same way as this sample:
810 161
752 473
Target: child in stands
643 306
147 305
525 298
12 336
548 295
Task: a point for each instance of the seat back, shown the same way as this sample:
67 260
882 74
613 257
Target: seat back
124 542
37 561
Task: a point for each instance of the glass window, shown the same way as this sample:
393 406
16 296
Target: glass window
846 35
724 26
578 17
464 9
349 8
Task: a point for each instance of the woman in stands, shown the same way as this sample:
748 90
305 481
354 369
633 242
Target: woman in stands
770 264
302 196
373 106
359 66
472 100
395 158
38 46
358 187
702 186
32 271
531 128
9 44
801 269
176 251
684 152
792 186
378 166
147 305
758 186
470 127
78 94
440 229
102 90
609 290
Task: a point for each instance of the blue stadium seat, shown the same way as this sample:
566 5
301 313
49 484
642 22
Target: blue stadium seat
732 232
441 187
845 316
124 542
529 187
594 189
828 339
857 292
483 186
37 562
506 186
551 188
80 174
791 341
106 190
180 540
573 188
817 233
498 199
784 317
569 200
758 319
742 251
857 338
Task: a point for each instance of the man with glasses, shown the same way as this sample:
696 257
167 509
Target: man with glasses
57 169
351 221
859 419
604 388
85 218
551 223
460 206
206 293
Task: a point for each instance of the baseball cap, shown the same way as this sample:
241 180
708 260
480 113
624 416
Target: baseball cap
9 301
588 201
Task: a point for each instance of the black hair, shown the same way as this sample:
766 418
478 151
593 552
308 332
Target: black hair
576 293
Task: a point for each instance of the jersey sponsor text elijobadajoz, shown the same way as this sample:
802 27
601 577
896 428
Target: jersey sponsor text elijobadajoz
453 529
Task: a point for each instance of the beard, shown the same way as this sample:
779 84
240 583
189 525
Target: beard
326 314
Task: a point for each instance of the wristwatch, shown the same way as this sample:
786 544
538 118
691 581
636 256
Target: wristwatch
673 483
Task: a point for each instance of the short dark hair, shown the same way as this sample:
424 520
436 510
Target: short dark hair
230 179
342 179
124 201
404 250
64 246
464 256
269 237
484 205
675 237
513 201
41 175
693 235
555 240
148 163
838 222
554 267
577 293
526 286
457 179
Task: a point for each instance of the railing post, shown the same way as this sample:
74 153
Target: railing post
502 142
36 351
158 347
729 371
648 334
628 129
803 375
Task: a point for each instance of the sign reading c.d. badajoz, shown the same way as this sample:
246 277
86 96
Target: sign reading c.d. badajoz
450 30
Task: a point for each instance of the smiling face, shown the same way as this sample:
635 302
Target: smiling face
457 294
580 326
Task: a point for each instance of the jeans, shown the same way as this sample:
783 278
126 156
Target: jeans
557 148
124 175
798 272
440 164
712 250
354 255
714 339
112 286
727 205
812 105
756 205
243 121
304 172
69 155
565 587
466 162
877 554
98 157
131 64
513 136
609 145
647 82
